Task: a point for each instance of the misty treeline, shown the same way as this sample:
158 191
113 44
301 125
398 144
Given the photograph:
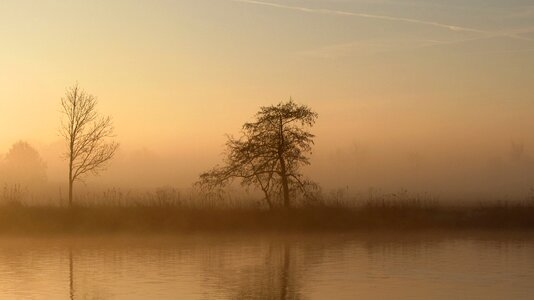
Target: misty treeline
268 156
21 168
262 167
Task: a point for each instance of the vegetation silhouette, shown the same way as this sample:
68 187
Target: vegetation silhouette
160 217
23 166
269 155
86 134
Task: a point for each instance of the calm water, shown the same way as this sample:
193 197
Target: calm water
353 266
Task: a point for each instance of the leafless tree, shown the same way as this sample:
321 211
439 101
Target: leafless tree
87 135
269 154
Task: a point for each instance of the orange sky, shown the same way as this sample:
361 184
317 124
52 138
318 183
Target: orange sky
441 80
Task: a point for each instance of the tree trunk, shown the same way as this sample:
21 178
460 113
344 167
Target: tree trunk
71 183
269 202
285 184
265 190
70 193
283 171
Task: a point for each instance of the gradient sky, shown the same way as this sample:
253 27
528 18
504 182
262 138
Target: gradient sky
393 80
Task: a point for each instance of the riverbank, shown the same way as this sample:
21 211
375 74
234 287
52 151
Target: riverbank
170 219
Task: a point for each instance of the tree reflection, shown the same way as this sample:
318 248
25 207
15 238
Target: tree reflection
71 275
268 270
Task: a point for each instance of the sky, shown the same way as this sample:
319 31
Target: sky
424 95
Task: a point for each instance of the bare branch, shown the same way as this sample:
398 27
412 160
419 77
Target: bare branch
269 153
88 136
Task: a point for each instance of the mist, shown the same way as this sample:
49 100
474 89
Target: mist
479 154
433 99
267 149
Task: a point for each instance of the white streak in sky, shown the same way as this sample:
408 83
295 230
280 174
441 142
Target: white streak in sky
451 27
363 15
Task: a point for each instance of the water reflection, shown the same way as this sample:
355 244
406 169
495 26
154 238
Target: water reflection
370 266
71 275
273 276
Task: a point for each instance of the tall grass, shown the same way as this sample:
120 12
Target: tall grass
171 211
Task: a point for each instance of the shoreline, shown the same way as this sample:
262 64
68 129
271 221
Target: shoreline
175 219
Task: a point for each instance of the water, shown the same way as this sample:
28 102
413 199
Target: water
431 265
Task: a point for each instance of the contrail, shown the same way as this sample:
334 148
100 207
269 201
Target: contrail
363 15
487 34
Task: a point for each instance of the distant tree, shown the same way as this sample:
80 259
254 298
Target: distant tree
23 165
87 136
269 154
517 151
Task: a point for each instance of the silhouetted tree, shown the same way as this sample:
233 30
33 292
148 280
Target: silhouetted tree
517 151
23 165
86 134
269 154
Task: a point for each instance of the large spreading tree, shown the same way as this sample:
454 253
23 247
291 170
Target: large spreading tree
269 155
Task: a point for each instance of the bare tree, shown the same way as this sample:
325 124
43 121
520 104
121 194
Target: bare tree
87 135
269 154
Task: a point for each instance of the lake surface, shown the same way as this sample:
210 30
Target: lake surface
432 265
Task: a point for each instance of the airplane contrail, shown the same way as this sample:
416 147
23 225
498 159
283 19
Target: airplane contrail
451 27
362 15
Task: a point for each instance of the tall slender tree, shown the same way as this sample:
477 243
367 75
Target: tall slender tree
88 136
269 154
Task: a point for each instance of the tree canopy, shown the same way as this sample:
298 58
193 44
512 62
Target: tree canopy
269 154
23 165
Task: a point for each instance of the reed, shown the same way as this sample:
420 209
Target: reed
178 217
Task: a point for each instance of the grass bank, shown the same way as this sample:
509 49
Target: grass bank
173 218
